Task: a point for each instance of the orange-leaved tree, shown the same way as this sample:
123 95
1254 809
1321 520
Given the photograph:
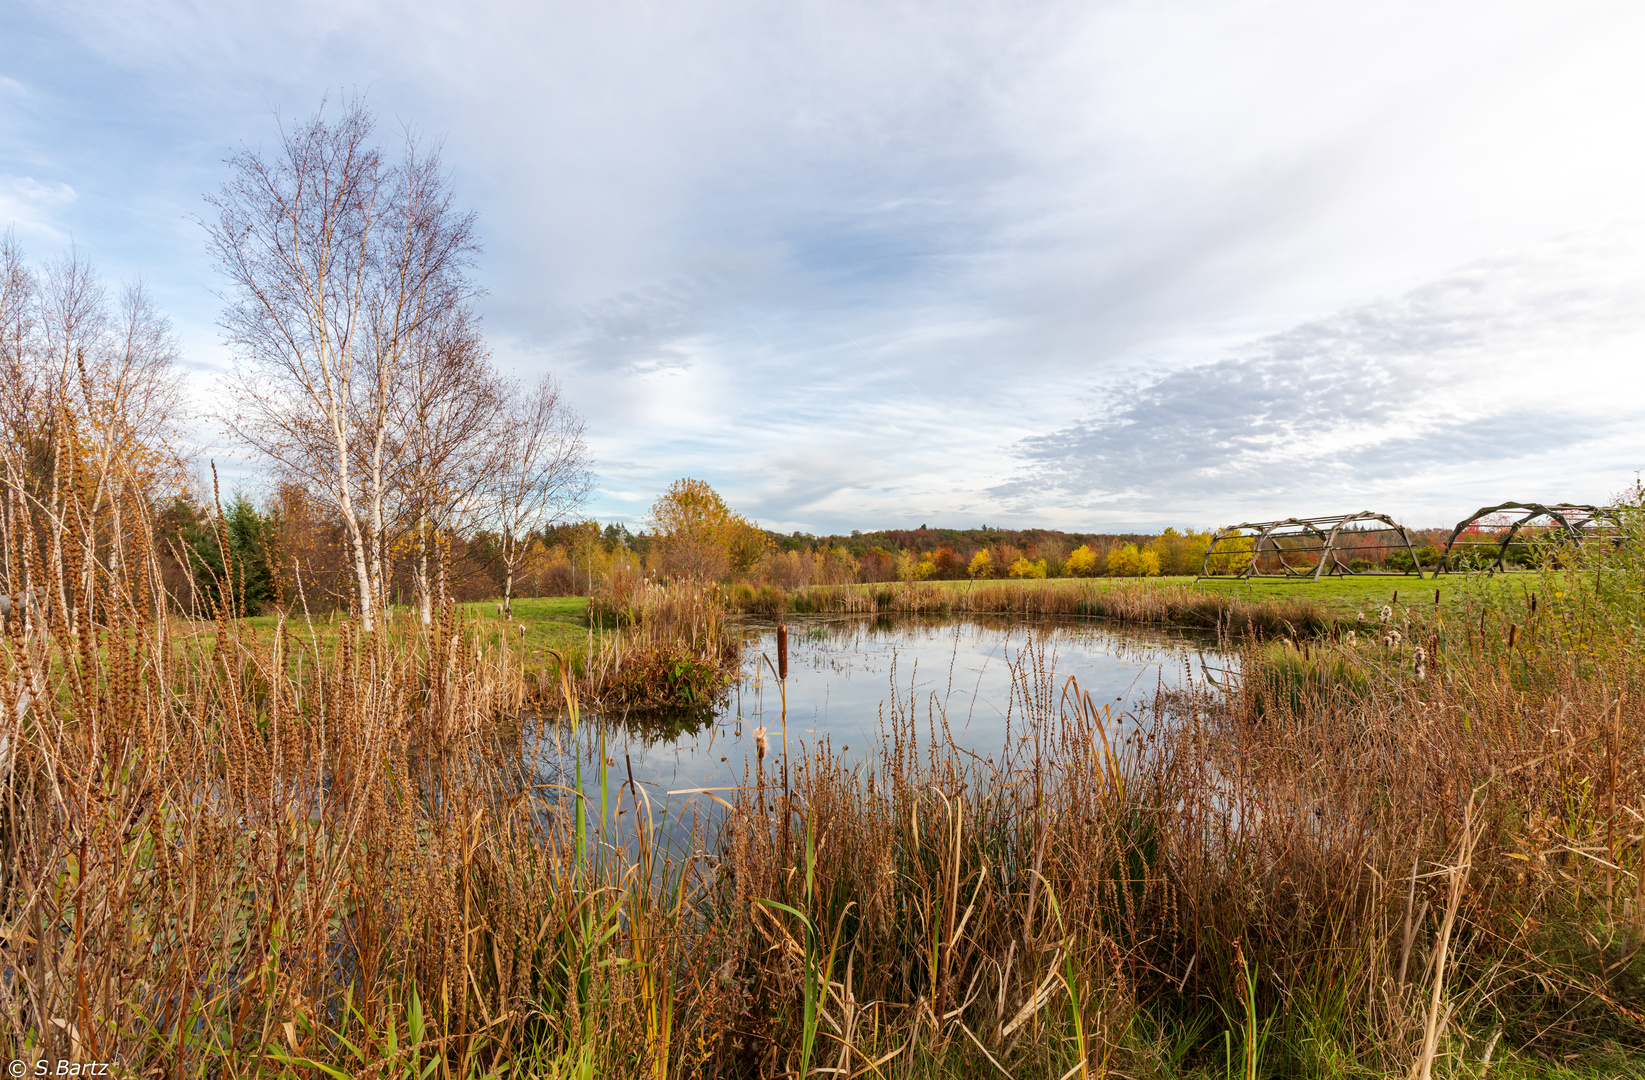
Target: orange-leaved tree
699 536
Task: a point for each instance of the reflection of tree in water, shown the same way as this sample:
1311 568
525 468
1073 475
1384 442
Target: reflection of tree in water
547 761
665 725
821 641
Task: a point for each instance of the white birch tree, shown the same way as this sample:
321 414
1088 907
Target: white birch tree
541 473
337 261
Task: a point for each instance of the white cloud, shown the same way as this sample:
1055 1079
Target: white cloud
1516 371
33 207
845 260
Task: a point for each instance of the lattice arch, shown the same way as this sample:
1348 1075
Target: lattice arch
1573 522
1308 548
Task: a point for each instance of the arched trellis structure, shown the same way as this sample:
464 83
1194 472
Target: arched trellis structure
1570 521
1305 548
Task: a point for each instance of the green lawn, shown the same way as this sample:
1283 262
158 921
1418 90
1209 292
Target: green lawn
1350 595
558 623
1342 596
539 625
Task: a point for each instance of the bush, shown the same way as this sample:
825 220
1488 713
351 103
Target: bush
668 677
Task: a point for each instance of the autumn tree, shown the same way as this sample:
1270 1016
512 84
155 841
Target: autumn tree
90 402
339 262
699 536
1127 561
539 473
447 412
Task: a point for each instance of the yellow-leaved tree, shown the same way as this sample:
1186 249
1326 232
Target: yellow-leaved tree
1027 568
1127 561
698 536
1180 553
982 565
1082 562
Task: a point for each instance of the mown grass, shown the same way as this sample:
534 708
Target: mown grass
539 626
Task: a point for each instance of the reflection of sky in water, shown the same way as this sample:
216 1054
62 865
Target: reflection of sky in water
840 673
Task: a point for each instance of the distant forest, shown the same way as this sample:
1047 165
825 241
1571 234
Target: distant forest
289 550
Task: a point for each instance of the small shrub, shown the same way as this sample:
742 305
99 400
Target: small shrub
667 677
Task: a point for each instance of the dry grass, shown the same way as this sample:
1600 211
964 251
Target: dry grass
234 852
661 645
1145 603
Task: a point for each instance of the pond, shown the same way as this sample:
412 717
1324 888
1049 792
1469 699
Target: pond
844 671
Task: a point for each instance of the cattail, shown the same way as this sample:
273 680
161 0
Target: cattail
1421 663
782 651
759 742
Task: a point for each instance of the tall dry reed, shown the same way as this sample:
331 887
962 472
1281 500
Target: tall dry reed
1177 605
240 853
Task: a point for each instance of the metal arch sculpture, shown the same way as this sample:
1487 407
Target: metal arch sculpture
1575 520
1324 530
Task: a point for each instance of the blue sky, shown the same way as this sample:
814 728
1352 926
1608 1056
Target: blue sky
1091 266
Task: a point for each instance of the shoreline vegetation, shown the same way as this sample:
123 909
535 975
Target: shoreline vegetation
248 851
280 800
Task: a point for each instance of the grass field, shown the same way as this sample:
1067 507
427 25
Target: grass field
540 624
1340 599
561 622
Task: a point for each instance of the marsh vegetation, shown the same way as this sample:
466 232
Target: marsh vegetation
274 801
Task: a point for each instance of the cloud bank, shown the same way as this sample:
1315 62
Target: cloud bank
1094 265
1486 376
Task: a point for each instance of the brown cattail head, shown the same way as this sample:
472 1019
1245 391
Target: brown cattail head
759 742
782 651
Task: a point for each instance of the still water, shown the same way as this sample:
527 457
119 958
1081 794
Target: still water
843 673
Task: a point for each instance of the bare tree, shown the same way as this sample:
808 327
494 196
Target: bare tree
448 410
90 403
540 475
338 261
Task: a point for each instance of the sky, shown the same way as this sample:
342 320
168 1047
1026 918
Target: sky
1090 266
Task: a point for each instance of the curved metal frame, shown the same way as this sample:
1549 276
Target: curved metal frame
1328 551
1574 518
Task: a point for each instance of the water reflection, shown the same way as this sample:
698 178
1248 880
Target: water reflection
842 671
